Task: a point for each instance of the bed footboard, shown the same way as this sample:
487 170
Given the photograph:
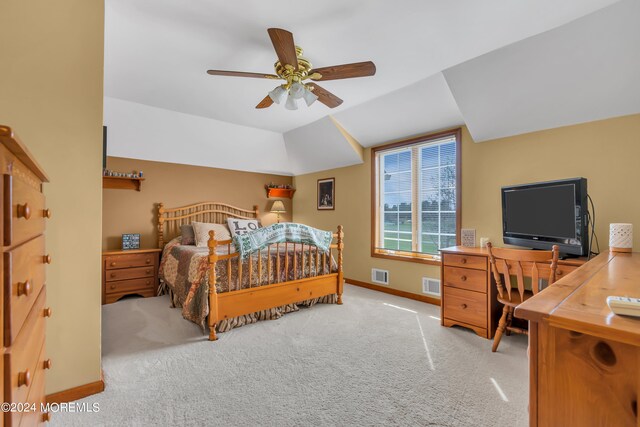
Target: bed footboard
236 303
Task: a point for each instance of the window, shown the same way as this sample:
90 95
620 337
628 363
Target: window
416 199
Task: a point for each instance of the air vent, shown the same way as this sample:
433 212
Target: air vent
380 276
431 286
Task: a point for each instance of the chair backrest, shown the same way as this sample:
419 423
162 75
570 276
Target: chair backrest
521 263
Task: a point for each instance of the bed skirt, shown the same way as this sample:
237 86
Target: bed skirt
270 314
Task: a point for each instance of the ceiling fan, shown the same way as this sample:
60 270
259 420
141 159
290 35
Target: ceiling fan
294 69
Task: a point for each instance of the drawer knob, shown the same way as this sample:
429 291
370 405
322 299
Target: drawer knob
113 274
46 417
24 378
147 272
24 288
24 211
148 261
559 272
148 282
46 213
113 286
464 306
463 261
47 312
47 364
463 278
113 264
46 259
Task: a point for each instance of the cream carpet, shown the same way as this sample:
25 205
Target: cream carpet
376 360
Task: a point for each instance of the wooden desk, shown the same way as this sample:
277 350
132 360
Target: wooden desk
469 290
583 359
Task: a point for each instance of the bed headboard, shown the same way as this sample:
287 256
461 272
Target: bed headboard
170 219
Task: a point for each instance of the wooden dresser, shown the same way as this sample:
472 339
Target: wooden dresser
584 360
24 256
469 291
131 272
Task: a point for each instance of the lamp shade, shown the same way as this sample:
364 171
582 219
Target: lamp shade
278 94
297 90
309 97
278 207
291 103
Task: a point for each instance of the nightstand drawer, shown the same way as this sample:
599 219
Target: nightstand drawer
466 278
129 273
465 306
129 285
129 261
466 261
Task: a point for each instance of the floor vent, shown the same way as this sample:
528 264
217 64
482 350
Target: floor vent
430 286
380 276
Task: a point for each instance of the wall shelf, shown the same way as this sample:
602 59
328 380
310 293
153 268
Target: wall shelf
280 193
121 183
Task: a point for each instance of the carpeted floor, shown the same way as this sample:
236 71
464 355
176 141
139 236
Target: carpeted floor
376 360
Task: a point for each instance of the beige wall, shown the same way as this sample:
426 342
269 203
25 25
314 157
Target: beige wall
127 211
607 153
51 94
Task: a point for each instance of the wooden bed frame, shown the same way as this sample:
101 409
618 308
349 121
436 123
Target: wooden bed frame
239 302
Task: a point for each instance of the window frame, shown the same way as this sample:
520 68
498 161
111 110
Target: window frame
375 214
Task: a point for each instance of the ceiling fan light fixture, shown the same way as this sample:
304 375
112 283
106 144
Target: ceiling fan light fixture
278 94
309 97
297 90
291 104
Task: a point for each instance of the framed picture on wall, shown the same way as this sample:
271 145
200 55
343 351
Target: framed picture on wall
326 194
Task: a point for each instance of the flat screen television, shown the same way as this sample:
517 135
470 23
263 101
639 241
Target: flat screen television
544 214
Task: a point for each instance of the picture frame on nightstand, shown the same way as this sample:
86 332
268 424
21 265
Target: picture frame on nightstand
130 241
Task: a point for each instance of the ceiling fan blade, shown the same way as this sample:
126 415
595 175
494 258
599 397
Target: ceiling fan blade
285 48
346 71
241 74
326 97
265 103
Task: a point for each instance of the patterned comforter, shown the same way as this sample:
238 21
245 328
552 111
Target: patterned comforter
184 268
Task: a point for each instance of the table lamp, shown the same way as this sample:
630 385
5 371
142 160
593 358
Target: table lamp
278 208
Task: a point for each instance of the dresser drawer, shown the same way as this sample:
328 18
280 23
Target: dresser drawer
36 393
21 359
24 276
130 285
465 306
24 213
128 261
466 261
466 278
129 273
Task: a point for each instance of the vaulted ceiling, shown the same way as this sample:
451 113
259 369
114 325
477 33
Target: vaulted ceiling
501 67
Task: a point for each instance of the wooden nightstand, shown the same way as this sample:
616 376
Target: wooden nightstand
133 272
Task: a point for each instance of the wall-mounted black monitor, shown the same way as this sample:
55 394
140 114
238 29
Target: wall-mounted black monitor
544 214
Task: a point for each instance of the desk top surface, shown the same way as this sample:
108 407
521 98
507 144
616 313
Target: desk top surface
577 302
464 250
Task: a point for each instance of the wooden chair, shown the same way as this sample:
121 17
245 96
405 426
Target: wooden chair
519 263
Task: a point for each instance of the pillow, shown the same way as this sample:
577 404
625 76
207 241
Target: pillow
188 237
238 227
201 230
